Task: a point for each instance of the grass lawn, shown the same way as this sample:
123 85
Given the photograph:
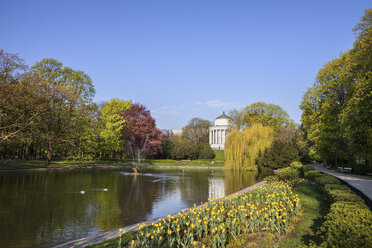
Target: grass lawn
314 209
30 164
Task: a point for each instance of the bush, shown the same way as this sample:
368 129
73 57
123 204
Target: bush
205 151
323 179
288 173
347 225
297 165
279 155
271 179
312 175
305 169
343 195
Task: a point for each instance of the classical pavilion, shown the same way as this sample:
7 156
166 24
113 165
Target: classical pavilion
218 132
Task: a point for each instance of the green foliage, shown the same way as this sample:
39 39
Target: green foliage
345 195
289 173
312 175
324 179
305 169
347 225
242 148
278 155
336 110
219 155
205 151
112 115
267 114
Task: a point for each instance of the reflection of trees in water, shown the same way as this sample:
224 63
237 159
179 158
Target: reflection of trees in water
136 197
194 188
236 180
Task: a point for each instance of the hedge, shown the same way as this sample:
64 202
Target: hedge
347 225
349 221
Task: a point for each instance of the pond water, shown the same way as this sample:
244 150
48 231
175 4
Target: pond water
45 208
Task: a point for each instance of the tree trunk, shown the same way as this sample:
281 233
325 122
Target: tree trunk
49 154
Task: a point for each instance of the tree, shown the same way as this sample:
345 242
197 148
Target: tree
337 109
288 146
269 115
112 113
139 132
197 131
242 148
69 91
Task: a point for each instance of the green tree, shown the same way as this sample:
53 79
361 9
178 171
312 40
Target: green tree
337 109
268 114
112 115
69 92
242 148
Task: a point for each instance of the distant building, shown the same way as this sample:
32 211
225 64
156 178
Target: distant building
217 133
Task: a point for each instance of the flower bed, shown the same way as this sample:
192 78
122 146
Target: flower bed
271 207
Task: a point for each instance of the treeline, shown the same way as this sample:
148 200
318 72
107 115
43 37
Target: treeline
47 111
337 109
263 135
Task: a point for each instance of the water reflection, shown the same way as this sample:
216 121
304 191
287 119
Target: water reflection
46 208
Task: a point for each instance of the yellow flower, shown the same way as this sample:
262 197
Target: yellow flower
121 230
169 232
160 238
132 242
195 242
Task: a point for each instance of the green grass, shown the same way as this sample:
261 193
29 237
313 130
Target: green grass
32 164
314 209
220 155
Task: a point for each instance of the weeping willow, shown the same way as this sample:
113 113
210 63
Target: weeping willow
243 147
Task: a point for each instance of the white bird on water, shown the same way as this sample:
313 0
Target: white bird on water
82 192
105 189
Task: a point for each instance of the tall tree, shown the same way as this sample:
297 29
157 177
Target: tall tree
112 113
197 131
69 90
268 114
242 148
337 109
139 132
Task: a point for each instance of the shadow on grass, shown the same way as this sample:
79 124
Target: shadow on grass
315 208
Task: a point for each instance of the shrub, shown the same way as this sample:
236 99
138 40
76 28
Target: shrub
312 175
297 165
288 173
345 195
278 155
322 180
305 169
205 151
347 225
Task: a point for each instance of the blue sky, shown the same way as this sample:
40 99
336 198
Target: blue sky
186 58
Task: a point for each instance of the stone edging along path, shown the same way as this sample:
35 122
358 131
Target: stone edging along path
102 237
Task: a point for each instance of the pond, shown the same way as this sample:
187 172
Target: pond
45 208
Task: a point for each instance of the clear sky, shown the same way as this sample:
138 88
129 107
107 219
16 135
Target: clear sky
186 58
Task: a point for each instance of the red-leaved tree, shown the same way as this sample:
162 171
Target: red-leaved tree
141 137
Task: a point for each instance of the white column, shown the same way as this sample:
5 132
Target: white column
219 136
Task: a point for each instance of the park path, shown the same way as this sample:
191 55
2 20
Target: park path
363 184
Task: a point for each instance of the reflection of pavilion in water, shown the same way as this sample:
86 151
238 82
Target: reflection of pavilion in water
216 187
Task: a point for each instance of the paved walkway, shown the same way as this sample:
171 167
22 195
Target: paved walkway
362 183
